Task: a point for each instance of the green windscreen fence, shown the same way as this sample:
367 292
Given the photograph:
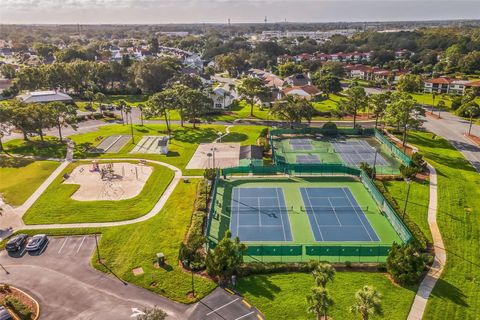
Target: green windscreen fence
390 213
393 148
324 252
294 169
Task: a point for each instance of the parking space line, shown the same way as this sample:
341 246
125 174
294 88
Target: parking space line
229 291
215 310
81 243
64 242
245 315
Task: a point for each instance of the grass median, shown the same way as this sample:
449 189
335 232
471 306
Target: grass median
20 177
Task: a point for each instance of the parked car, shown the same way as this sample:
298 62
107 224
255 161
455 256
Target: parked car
16 243
4 314
110 107
37 242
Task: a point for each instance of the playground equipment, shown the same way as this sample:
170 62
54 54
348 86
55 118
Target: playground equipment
95 166
107 172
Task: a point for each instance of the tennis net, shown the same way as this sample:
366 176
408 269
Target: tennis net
330 209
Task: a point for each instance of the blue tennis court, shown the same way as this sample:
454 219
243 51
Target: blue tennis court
259 214
335 215
307 158
354 152
300 144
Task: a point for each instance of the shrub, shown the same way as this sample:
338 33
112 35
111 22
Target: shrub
405 264
330 126
456 103
4 288
21 310
264 133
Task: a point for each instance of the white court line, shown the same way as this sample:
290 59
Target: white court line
81 243
61 248
245 315
215 310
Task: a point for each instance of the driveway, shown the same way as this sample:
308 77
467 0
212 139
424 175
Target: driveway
67 287
453 129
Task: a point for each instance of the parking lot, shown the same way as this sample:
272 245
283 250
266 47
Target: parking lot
60 277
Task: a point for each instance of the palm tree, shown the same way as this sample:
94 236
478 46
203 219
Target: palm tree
367 302
323 273
319 302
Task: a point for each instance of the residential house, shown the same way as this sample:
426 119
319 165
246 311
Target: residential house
308 92
437 85
222 98
299 79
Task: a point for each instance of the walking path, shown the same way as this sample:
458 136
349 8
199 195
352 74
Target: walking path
428 283
227 132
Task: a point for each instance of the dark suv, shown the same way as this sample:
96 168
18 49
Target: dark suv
16 243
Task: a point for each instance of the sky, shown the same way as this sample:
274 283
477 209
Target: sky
219 11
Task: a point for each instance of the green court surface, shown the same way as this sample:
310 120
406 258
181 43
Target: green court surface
303 246
325 150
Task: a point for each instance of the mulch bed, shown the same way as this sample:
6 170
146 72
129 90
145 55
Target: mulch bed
474 138
27 301
433 115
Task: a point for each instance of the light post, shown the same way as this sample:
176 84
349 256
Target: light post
374 164
209 156
409 182
140 107
213 156
186 263
98 250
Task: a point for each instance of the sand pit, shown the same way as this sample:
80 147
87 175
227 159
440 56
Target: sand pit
121 180
226 155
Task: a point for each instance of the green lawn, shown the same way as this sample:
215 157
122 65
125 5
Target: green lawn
328 105
182 145
282 296
127 247
56 206
20 177
50 148
417 207
246 135
457 294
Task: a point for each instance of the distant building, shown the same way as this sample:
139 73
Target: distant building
447 85
45 97
163 144
251 156
307 91
222 98
300 79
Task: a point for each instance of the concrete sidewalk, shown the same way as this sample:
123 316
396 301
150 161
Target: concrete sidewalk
421 298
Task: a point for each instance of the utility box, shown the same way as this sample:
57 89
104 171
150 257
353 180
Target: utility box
161 258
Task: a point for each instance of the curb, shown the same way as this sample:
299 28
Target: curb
37 313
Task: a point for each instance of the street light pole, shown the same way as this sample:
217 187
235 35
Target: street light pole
374 164
98 250
406 198
131 127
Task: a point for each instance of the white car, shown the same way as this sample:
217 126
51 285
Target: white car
37 242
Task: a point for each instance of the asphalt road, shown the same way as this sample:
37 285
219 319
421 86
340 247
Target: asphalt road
60 277
454 129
